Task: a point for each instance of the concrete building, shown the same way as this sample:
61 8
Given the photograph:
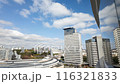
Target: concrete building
22 50
41 49
117 41
84 52
5 54
114 53
107 51
98 50
92 52
72 47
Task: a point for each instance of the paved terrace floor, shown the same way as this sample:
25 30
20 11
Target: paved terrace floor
28 64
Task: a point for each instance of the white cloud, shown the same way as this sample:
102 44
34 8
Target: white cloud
107 29
83 25
47 24
20 1
88 31
38 19
78 20
15 38
79 1
25 13
56 9
108 11
6 23
108 15
9 33
4 1
33 21
110 20
48 7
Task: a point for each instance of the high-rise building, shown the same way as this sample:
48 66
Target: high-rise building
117 41
72 47
5 54
107 51
98 49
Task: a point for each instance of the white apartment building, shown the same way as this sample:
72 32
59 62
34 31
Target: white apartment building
98 50
117 41
5 54
92 52
72 47
107 51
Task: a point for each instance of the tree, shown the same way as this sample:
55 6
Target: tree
115 60
84 58
13 57
17 50
62 58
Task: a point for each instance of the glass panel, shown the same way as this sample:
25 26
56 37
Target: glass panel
109 19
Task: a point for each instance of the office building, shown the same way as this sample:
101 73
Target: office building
5 54
107 51
41 50
98 50
72 47
117 41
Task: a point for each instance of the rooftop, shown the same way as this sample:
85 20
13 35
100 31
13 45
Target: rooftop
68 28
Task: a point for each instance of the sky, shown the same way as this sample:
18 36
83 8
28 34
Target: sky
28 23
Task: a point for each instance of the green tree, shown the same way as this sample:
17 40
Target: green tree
115 60
62 58
17 50
84 58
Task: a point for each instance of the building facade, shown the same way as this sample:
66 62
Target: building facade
117 41
41 50
98 49
72 47
107 51
5 54
92 52
114 53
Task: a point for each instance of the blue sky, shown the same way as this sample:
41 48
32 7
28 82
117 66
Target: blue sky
31 22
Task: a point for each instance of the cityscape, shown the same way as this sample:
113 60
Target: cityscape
70 38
